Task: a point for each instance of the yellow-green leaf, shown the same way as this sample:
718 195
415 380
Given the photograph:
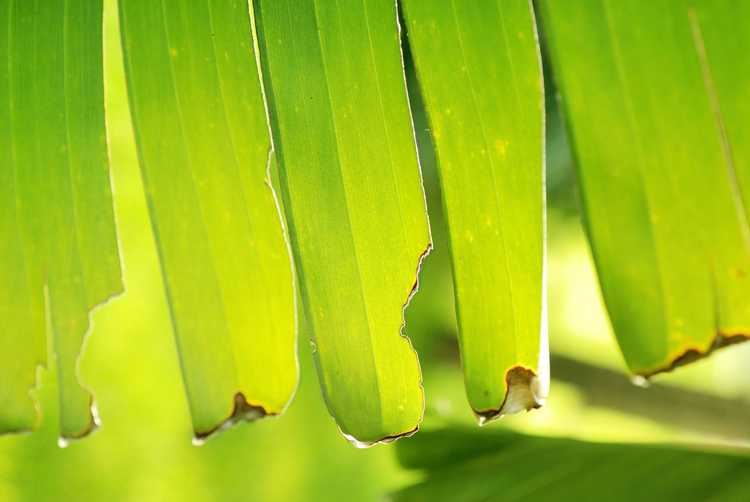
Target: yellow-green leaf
58 247
654 93
353 198
205 149
479 70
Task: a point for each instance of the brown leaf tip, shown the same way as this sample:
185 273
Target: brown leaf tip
242 412
692 354
524 392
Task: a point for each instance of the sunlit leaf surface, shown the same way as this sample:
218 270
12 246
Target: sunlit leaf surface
657 97
479 71
204 150
467 465
352 194
58 247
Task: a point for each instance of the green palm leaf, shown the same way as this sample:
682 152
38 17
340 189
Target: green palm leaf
479 70
58 247
467 465
655 106
352 193
205 149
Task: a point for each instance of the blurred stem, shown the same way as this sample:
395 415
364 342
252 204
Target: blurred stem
681 408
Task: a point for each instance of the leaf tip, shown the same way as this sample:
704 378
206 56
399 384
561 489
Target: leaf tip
362 444
690 355
525 392
93 424
241 412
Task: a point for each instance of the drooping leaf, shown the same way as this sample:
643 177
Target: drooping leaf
479 71
466 465
205 149
58 246
353 197
663 170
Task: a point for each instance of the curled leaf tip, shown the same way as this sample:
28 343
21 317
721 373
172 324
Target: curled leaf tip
524 392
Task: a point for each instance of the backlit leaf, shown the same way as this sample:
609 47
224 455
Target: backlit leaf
205 149
353 198
58 247
655 93
479 71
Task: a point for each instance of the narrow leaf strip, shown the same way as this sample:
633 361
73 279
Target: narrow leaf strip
353 196
662 170
204 150
58 246
479 70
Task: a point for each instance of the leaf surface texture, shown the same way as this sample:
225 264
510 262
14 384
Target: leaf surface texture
58 246
478 67
655 93
204 149
353 197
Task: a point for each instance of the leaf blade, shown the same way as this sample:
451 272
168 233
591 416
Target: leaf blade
204 151
58 173
680 242
356 266
467 465
484 100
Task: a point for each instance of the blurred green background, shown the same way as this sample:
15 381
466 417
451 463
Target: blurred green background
143 452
